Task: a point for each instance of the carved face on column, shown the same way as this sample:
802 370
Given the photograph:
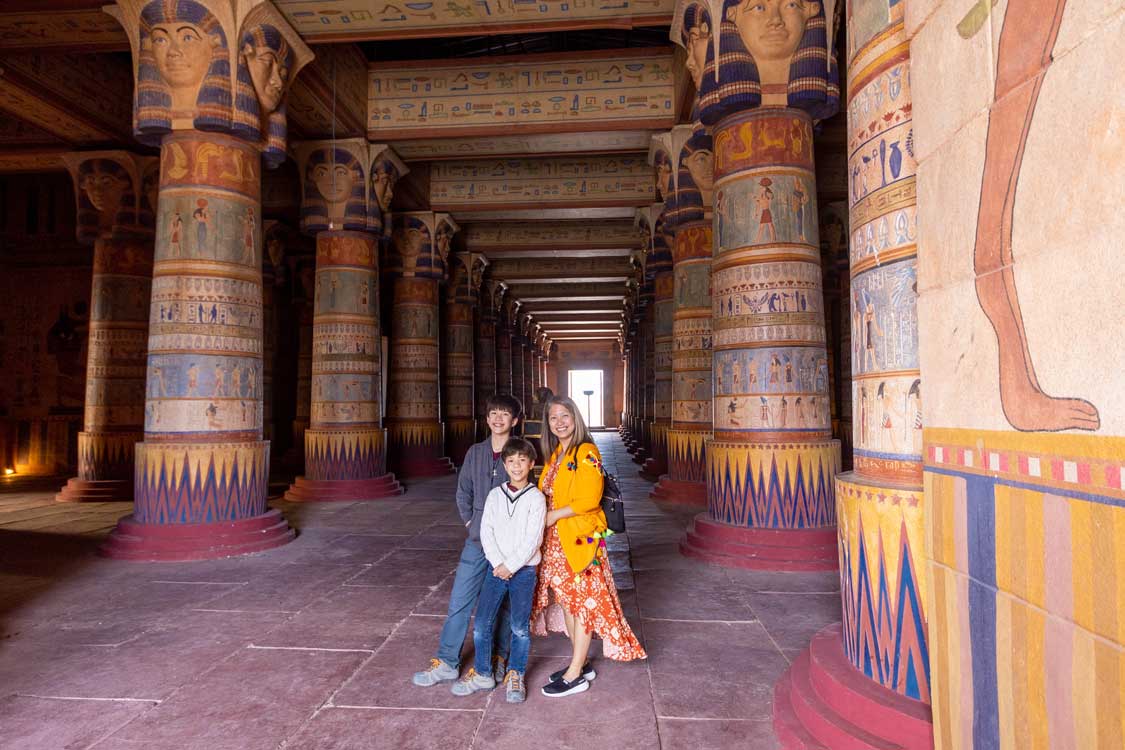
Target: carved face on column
411 242
384 175
444 241
697 176
696 39
106 198
183 71
478 275
663 175
334 196
266 57
771 53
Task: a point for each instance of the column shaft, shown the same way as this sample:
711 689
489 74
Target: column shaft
519 344
485 359
457 377
504 354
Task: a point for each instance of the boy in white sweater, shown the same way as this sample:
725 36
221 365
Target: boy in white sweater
511 532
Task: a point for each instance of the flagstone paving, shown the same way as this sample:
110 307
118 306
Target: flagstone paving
312 645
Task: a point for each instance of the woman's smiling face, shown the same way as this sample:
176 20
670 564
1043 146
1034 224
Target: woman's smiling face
561 422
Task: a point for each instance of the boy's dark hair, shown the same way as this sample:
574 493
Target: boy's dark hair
518 447
504 402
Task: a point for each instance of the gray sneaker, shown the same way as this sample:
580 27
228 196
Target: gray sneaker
499 669
472 682
439 671
517 690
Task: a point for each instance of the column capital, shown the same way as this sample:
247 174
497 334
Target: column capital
664 156
216 65
346 184
421 242
753 70
463 284
116 192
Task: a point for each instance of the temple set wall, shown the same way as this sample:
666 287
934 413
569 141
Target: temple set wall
196 327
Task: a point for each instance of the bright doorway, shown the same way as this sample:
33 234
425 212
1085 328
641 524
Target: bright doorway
585 387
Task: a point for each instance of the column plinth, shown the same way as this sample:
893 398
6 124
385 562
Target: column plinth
345 446
772 460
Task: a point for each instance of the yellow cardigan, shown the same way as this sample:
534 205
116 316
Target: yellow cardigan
578 484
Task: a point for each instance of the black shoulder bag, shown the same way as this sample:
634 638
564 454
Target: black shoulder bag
612 505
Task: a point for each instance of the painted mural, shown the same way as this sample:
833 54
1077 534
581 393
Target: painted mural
771 209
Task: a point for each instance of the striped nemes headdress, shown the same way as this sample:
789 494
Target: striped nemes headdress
314 208
248 120
153 111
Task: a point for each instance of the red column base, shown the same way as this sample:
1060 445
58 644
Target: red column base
96 491
640 455
426 467
824 702
679 494
652 469
199 541
304 490
760 549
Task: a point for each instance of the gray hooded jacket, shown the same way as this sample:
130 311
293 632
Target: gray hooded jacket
479 474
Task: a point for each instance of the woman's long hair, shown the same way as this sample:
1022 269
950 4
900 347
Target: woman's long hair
581 431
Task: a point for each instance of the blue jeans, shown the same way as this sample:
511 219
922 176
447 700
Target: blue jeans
467 582
520 589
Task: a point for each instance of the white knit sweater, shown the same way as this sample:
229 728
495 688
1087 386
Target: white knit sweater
511 528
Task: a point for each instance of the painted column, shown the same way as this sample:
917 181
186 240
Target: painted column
417 265
345 445
216 109
533 424
519 347
648 382
660 266
529 376
692 396
485 349
504 342
304 291
116 193
771 463
277 236
461 293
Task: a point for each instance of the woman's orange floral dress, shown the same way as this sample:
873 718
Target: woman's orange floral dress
590 596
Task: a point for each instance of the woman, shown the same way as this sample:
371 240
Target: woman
575 586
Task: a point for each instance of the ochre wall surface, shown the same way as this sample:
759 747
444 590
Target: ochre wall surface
1021 175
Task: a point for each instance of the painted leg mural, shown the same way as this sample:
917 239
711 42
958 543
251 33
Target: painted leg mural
116 194
1026 42
416 435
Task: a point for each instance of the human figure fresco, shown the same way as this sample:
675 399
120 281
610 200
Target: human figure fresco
763 201
202 218
1028 34
175 235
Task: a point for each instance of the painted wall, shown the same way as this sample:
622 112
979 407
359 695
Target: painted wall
45 281
1019 114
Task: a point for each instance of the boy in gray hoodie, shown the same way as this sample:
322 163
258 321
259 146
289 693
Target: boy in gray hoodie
481 471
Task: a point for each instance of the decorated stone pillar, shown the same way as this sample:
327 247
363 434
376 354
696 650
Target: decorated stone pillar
211 76
116 195
519 348
533 422
277 237
692 395
879 657
645 335
527 326
416 263
659 265
772 461
491 291
504 342
345 444
461 294
304 291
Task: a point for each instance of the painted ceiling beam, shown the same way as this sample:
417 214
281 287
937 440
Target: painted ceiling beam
569 237
554 270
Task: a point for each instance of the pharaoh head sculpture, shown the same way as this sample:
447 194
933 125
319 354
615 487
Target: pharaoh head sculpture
662 163
412 245
665 148
695 35
445 229
265 68
107 189
771 53
386 169
183 70
333 190
696 176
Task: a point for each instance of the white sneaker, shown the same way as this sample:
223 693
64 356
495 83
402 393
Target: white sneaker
473 682
439 671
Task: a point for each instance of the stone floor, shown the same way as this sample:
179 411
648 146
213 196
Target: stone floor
312 645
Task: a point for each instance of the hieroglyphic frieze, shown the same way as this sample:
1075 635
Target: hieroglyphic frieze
327 19
561 235
611 180
409 100
543 144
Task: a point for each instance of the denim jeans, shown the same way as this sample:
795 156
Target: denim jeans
520 590
467 582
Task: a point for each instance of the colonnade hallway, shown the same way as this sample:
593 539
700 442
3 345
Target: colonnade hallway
312 645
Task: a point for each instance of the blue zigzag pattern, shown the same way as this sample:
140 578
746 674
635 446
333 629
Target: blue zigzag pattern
767 500
209 499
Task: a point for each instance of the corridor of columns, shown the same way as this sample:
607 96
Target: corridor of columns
264 262
312 645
